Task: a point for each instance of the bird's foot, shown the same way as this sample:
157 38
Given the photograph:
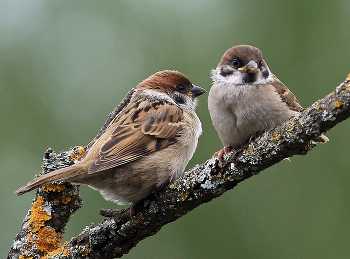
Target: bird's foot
221 153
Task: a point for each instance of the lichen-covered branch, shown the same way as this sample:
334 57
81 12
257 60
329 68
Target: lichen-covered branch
52 207
41 231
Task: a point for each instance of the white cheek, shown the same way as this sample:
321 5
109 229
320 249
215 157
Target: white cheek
193 103
235 78
155 95
262 80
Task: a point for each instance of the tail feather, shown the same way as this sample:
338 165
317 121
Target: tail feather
58 175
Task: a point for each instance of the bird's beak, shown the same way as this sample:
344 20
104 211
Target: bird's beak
251 67
196 91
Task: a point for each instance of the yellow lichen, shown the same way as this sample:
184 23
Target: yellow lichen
73 156
66 252
48 240
306 149
44 238
81 151
289 128
60 250
79 155
86 251
249 149
347 83
65 199
38 215
52 187
25 257
337 104
175 186
139 220
183 196
275 137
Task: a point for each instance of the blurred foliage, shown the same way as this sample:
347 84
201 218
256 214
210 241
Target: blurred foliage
66 64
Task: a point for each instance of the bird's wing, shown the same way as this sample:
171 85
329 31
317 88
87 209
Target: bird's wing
143 128
286 95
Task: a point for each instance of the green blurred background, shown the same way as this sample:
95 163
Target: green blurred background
66 64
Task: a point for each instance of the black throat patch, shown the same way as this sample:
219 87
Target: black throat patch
249 78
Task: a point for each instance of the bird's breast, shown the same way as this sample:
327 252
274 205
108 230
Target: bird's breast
241 111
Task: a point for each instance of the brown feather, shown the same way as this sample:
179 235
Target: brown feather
286 95
143 129
59 175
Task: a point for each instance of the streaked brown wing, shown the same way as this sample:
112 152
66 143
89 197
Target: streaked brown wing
143 129
286 95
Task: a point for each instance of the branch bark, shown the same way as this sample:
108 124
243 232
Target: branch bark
41 232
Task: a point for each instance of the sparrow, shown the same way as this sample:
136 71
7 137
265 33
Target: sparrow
146 146
246 99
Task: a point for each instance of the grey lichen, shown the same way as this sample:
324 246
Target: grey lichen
234 174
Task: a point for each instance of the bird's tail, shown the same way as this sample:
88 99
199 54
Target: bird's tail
58 175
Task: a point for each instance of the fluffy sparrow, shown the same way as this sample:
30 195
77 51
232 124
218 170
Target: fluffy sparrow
246 99
147 145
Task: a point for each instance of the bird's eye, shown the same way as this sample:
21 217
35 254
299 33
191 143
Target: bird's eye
181 88
260 64
235 62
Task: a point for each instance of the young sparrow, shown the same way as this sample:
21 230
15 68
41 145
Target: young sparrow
147 145
246 99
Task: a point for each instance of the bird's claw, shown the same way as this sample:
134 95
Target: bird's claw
221 153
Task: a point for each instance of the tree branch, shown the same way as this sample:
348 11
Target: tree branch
53 205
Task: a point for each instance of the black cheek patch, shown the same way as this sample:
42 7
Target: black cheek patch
179 100
265 73
226 72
